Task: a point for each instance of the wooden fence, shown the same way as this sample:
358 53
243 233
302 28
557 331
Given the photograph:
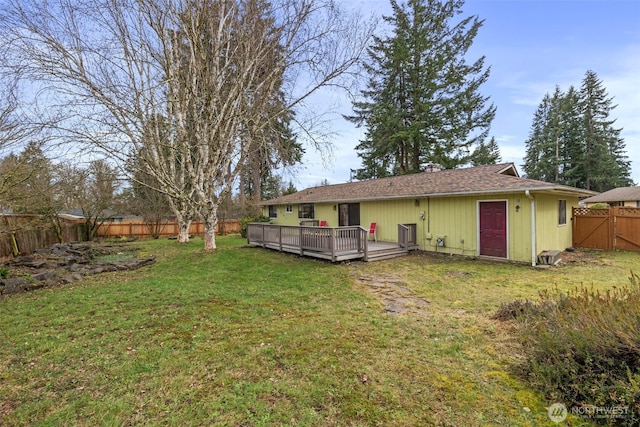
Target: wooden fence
142 229
617 228
28 233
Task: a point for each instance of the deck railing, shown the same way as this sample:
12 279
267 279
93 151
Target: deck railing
407 236
329 240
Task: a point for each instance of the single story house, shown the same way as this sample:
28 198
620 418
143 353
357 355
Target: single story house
621 196
484 211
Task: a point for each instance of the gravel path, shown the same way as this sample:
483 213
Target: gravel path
397 299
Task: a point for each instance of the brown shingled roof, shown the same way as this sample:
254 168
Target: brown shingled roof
620 194
501 178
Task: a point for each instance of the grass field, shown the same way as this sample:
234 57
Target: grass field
250 337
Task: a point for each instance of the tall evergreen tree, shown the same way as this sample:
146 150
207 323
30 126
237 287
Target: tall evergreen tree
422 102
573 141
605 164
542 160
277 148
28 181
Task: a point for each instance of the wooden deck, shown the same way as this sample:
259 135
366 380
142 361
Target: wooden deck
330 243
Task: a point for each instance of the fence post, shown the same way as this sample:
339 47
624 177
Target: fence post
611 241
574 221
613 215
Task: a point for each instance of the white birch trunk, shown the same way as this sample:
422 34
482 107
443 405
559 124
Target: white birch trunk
183 231
210 235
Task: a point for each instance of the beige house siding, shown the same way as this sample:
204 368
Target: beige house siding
456 219
283 217
519 211
322 211
550 235
453 219
387 214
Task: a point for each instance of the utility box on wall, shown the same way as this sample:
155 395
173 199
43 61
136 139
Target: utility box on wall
440 241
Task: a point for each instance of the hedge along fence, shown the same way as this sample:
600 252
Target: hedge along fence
26 234
144 229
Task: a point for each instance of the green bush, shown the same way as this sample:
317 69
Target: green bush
582 347
4 272
247 220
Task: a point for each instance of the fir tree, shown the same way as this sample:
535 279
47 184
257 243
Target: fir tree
422 102
573 142
572 146
542 159
486 153
605 164
289 189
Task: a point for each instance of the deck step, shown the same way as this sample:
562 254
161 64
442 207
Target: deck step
386 254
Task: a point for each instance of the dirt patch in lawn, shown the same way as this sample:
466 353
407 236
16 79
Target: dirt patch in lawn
394 294
581 257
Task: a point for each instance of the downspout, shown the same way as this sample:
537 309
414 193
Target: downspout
428 215
429 223
533 227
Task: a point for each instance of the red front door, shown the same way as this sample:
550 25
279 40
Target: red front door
493 229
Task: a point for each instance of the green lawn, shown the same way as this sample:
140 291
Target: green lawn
251 337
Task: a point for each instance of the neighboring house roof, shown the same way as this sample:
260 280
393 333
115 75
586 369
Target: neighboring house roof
74 212
501 178
106 213
70 217
620 194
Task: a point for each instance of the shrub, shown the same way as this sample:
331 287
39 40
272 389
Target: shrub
517 309
583 347
4 272
247 220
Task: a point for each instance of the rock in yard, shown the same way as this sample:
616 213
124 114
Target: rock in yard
63 264
15 285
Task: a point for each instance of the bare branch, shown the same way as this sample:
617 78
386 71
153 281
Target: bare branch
185 90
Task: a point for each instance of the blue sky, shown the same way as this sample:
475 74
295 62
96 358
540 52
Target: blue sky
531 46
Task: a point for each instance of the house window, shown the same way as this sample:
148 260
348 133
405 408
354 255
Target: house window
562 212
273 211
289 209
306 211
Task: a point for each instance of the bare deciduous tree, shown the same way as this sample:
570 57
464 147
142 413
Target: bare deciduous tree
187 85
15 129
90 189
146 201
